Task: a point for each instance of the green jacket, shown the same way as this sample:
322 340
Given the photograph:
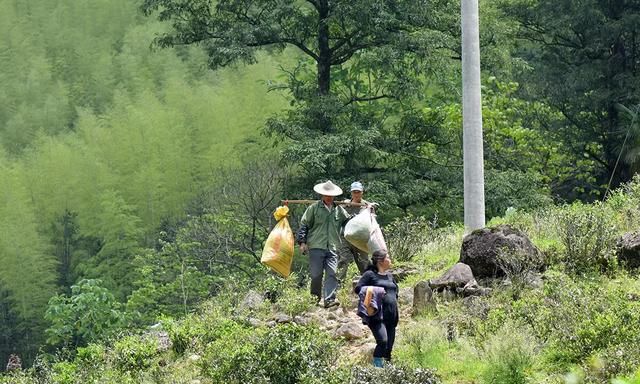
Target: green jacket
321 227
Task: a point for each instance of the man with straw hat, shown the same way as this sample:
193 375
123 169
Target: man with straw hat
319 236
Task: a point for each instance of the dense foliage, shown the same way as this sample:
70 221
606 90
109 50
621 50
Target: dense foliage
584 62
144 145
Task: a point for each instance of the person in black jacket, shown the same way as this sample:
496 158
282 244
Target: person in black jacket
383 330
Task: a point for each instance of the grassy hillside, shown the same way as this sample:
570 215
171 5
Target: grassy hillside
580 326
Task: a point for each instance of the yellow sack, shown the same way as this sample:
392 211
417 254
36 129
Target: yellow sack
278 249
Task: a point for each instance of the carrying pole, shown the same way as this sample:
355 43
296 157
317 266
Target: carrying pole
285 202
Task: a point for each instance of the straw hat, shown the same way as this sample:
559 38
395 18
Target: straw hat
327 189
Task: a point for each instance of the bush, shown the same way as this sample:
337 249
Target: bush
197 331
624 202
290 352
285 354
588 235
518 266
16 377
91 313
392 374
406 236
632 380
585 319
286 295
510 353
64 372
134 353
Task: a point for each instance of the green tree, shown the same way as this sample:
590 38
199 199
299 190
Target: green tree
118 231
27 269
91 313
361 64
585 56
220 242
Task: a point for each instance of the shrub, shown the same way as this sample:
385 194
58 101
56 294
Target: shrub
585 319
393 374
134 353
518 266
631 380
197 331
91 313
290 352
510 353
406 236
16 377
285 354
64 372
624 202
588 235
290 299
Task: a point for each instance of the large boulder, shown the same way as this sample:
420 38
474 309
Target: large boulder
629 250
458 280
481 249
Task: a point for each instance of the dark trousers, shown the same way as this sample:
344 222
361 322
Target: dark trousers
385 335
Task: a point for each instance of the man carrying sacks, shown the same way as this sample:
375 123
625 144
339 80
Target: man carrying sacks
319 236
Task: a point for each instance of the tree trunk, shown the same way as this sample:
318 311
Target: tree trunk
324 52
472 118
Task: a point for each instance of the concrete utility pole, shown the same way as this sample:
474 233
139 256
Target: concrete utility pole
472 118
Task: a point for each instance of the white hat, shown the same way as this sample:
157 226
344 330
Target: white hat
357 186
327 189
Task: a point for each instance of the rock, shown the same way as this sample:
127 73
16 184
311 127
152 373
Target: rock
405 296
300 320
252 302
252 321
330 325
534 280
282 318
458 276
481 249
162 337
349 331
422 298
332 315
15 363
473 289
629 249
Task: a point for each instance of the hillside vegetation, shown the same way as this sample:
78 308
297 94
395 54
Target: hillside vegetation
578 326
145 144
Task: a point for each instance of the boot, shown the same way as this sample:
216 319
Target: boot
378 362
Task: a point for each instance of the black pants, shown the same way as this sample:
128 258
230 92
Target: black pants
385 335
